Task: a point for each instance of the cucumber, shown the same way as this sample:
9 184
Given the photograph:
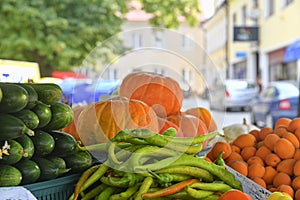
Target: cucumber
9 176
12 127
49 170
32 95
44 114
30 171
43 143
62 116
65 144
48 93
14 153
14 98
58 161
1 94
79 161
30 119
27 145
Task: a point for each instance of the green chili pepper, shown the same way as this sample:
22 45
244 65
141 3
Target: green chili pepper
194 140
94 192
196 172
94 177
213 186
219 160
182 195
106 193
189 160
172 132
167 178
146 184
198 194
126 194
128 180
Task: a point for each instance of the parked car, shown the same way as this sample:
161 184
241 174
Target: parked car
85 91
278 99
233 94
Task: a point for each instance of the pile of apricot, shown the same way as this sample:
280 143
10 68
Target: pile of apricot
269 156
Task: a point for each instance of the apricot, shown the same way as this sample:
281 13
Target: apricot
272 159
262 152
256 170
292 138
284 148
264 132
240 166
282 122
286 166
270 140
269 175
248 152
255 159
259 181
245 140
294 124
280 131
219 147
296 183
286 189
296 169
281 178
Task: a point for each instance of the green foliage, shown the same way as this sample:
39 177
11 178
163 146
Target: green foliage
59 34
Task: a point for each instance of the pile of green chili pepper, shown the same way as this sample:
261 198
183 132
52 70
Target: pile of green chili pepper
142 164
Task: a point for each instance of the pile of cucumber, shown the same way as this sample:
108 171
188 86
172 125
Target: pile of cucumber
32 146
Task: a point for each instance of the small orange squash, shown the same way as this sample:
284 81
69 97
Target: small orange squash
189 125
205 115
162 93
101 121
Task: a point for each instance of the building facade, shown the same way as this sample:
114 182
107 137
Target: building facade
175 53
258 35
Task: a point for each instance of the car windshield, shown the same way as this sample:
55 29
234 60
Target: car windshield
239 85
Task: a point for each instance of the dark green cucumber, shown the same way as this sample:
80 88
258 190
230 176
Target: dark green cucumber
43 143
32 95
1 94
27 145
65 144
44 114
14 152
9 176
49 170
48 93
62 116
58 161
79 161
14 99
12 127
30 119
30 171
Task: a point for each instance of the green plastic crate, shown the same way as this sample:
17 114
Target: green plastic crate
56 189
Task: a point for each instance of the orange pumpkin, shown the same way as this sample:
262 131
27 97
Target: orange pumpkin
205 115
71 128
164 124
162 93
101 121
189 125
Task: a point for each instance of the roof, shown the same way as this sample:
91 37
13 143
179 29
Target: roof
139 15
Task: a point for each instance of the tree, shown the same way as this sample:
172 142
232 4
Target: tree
59 34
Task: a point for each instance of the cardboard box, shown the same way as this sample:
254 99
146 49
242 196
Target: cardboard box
250 187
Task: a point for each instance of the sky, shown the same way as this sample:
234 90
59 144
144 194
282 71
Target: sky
207 7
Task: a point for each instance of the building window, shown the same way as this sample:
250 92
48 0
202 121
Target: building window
244 15
159 39
136 40
234 20
254 3
285 3
270 8
186 42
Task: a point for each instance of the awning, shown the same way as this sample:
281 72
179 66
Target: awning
66 74
292 52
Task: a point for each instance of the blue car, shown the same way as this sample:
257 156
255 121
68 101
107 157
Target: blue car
86 91
279 99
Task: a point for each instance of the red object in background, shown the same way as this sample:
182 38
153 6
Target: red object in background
67 74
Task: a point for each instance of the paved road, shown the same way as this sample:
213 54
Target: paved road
222 118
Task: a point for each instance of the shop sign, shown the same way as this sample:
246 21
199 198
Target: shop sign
245 33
